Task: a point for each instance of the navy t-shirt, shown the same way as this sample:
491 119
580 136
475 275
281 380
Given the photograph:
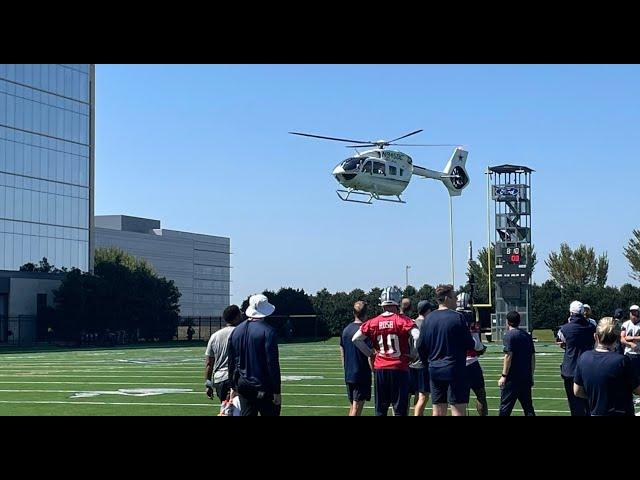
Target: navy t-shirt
356 364
444 341
253 351
520 344
578 334
608 380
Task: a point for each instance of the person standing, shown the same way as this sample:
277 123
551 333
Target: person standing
419 381
405 306
619 321
357 372
587 314
576 337
475 374
604 377
630 338
389 333
518 367
216 371
254 364
443 344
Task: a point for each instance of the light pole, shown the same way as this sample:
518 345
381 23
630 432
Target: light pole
406 273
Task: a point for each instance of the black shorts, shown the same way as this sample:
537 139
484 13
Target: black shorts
359 392
449 386
222 389
475 376
419 381
635 363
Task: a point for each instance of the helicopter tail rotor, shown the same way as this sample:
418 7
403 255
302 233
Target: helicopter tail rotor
454 176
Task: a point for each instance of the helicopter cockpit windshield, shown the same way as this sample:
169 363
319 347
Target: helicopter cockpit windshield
351 164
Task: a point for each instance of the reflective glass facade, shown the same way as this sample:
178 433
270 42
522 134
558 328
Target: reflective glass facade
46 164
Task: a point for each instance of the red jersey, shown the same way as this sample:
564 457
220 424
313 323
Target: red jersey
390 337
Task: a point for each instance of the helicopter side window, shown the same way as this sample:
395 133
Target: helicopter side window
392 170
378 168
367 167
401 172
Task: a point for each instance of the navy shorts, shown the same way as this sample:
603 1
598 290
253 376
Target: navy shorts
359 392
392 388
449 385
419 381
475 376
222 389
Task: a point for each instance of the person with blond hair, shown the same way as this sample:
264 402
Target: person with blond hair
357 372
604 377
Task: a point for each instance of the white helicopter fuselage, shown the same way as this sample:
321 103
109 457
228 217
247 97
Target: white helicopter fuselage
383 172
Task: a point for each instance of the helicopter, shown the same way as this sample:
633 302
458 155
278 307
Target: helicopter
380 173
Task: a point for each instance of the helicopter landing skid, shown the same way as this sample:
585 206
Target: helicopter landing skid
372 196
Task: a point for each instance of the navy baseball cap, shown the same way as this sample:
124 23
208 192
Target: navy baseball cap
424 305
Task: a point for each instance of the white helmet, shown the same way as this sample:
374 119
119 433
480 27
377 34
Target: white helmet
391 296
463 300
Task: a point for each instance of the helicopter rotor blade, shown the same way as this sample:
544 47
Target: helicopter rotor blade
362 145
425 144
330 138
404 136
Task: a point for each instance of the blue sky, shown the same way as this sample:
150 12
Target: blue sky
204 148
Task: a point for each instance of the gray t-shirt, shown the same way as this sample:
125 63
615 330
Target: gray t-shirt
418 362
218 348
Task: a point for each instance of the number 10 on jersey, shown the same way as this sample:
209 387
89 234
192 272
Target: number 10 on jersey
389 345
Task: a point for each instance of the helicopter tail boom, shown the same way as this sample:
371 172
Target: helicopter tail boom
454 176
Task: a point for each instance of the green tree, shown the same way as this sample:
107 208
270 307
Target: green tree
632 253
123 294
579 267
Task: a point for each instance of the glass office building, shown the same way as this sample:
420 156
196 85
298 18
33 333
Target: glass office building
46 164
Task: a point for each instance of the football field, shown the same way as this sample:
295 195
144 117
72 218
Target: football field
168 380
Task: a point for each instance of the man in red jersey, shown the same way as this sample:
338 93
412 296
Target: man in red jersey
390 334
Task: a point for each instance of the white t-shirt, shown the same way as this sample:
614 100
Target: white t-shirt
217 348
633 330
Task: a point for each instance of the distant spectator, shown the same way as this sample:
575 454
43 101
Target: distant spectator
577 336
587 314
190 332
619 320
604 377
518 367
405 306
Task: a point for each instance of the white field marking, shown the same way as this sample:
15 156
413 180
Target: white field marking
297 378
207 405
189 391
133 392
97 383
168 391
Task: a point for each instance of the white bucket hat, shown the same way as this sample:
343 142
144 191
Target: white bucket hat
259 307
576 307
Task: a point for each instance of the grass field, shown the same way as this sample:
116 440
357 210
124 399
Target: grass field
93 381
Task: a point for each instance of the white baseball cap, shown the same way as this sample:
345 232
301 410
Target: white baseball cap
259 307
634 307
576 307
586 305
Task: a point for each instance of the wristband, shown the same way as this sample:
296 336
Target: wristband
208 384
